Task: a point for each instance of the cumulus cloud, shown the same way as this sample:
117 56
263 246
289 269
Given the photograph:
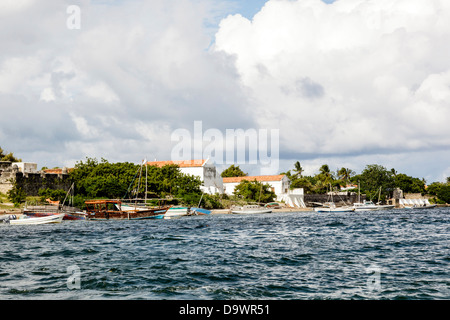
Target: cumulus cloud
115 88
345 80
349 78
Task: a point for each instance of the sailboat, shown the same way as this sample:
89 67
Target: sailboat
114 209
368 205
71 213
331 206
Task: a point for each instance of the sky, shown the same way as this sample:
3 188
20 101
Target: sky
346 83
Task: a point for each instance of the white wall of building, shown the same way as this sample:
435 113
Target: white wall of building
26 167
211 180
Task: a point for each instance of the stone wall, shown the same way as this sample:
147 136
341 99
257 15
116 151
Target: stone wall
31 183
341 199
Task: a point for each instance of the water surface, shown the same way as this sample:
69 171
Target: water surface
396 254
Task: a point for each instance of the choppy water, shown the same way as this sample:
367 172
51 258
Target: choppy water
369 255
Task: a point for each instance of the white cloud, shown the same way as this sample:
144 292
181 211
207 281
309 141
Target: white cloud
346 78
341 80
47 95
132 67
13 6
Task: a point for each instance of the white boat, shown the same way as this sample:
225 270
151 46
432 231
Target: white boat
56 218
416 207
332 208
176 212
250 209
370 206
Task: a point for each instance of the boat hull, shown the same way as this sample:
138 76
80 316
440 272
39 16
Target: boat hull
334 209
55 218
251 211
71 213
128 215
68 216
101 210
422 207
200 211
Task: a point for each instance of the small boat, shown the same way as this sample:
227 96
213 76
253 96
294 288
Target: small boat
173 212
71 213
112 210
424 207
25 220
54 208
250 209
199 212
331 207
370 206
273 205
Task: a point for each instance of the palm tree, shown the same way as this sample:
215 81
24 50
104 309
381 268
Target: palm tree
298 169
325 174
345 174
325 170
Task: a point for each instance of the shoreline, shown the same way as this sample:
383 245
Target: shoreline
18 212
228 211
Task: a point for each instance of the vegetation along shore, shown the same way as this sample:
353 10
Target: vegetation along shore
100 179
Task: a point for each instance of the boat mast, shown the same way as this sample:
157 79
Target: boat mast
379 196
146 177
139 185
359 192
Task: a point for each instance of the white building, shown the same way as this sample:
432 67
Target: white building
26 167
279 184
293 198
204 169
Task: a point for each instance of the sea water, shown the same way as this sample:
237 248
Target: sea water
393 254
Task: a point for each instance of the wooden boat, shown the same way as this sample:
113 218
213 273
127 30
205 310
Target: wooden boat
250 209
112 210
71 213
54 208
25 220
173 212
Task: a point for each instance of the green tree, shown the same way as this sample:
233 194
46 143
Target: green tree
433 189
103 180
94 179
233 171
8 156
324 179
16 195
254 191
345 174
52 194
298 170
409 184
374 177
444 193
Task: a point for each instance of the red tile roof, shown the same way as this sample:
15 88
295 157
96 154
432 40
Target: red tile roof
180 163
257 178
56 171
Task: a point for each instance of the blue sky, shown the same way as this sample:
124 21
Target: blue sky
248 8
